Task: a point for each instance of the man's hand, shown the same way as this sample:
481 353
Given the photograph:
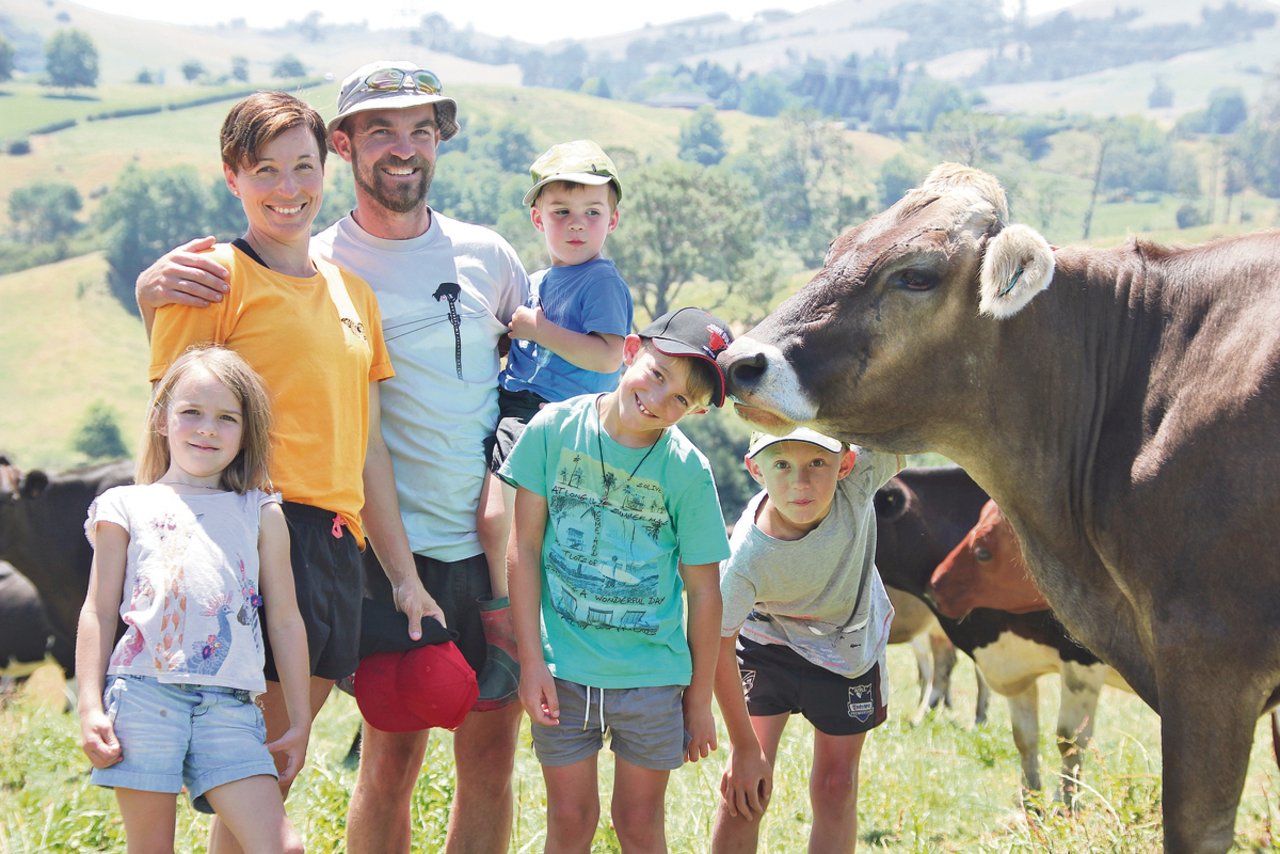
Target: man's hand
186 276
413 600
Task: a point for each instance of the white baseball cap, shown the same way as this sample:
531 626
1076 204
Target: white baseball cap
760 441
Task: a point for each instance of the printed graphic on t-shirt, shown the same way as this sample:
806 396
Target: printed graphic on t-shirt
603 565
452 310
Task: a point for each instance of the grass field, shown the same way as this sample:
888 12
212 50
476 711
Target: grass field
944 786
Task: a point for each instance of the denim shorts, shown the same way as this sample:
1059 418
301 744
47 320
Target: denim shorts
646 726
173 735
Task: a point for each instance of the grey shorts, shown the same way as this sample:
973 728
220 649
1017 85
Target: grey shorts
645 725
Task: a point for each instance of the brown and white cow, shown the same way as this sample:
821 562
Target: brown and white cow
1125 419
985 570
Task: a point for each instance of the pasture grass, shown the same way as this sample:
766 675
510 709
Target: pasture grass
944 786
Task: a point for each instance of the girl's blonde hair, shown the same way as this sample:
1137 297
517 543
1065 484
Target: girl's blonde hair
249 469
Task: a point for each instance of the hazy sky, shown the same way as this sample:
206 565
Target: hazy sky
529 20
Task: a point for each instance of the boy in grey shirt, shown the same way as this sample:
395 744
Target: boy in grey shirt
804 629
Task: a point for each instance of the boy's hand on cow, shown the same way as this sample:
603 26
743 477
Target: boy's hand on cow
185 276
293 744
700 724
747 784
538 694
413 600
98 739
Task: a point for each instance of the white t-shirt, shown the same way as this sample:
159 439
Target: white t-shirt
821 594
446 299
191 597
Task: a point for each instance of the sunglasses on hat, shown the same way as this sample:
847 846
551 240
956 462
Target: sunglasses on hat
392 79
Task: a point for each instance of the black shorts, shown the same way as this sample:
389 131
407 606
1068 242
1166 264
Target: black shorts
515 408
456 586
777 680
327 577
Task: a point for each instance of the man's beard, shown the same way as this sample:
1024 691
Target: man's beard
402 196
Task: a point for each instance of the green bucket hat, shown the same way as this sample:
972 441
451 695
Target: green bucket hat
578 162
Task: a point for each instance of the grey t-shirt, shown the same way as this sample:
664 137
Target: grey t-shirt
821 594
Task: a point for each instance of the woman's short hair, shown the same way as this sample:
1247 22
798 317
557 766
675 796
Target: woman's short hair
258 119
251 467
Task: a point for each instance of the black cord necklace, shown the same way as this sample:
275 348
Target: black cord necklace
604 480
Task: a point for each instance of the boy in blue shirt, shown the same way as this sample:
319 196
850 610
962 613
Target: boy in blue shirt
566 341
616 515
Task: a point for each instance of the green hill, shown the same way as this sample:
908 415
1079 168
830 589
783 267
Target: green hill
67 345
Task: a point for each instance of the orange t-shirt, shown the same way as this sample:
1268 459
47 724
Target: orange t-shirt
317 343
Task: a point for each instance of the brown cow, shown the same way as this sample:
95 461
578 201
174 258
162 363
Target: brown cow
1124 419
985 570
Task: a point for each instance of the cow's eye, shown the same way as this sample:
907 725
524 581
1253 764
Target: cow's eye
982 553
915 280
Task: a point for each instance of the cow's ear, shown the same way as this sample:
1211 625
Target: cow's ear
1017 265
892 501
33 484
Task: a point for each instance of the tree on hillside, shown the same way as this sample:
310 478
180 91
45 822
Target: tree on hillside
897 175
6 59
146 214
240 68
804 169
683 221
288 66
44 212
193 70
974 139
702 138
1227 110
71 59
98 435
763 95
510 144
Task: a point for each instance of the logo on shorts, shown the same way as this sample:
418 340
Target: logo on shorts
748 681
862 704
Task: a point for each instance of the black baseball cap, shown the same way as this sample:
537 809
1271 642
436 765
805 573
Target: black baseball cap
692 332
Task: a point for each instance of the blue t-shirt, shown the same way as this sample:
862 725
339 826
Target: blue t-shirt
619 522
584 298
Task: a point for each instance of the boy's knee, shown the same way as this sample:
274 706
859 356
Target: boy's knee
640 832
574 819
835 790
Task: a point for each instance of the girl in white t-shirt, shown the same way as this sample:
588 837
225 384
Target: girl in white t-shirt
186 557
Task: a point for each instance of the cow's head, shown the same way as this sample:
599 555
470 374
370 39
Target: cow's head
880 323
985 570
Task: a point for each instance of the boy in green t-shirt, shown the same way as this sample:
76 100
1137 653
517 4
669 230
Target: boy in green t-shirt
616 516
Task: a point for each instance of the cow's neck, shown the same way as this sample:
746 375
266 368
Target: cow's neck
1063 374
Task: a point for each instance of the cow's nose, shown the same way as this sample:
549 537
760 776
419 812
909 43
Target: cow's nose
744 369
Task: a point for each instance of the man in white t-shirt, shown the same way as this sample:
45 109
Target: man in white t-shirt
447 291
